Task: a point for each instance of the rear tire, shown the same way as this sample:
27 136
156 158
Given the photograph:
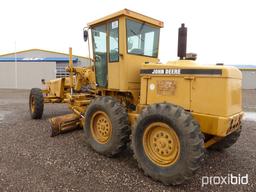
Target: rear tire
228 141
172 151
36 103
106 126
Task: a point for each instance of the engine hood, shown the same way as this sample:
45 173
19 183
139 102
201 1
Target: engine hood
190 68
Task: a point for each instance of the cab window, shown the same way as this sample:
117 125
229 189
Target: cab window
142 39
113 41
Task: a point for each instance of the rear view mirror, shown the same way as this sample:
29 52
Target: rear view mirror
85 35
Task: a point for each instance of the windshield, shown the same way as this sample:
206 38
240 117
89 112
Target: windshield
142 39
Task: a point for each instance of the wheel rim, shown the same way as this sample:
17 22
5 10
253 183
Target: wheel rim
101 127
161 144
32 104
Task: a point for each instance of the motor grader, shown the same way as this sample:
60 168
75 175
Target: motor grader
170 113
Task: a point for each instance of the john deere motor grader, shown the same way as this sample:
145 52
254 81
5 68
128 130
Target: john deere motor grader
171 112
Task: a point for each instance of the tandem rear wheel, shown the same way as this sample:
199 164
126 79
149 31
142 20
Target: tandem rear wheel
106 126
167 143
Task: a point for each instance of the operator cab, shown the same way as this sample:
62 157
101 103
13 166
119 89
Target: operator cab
121 42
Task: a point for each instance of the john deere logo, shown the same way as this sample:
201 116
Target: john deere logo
166 71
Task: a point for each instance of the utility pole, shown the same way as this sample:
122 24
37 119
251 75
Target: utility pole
16 66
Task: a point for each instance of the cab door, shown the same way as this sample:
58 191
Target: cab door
99 35
106 54
113 56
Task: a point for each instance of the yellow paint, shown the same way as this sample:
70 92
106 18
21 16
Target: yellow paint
217 125
129 13
180 96
214 99
124 74
56 88
208 94
71 66
161 144
101 127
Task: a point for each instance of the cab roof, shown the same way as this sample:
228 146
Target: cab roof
129 13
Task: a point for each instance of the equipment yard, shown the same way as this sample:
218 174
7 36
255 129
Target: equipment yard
31 160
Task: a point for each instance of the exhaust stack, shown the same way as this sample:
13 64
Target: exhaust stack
182 42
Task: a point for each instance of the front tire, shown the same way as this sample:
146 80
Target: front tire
167 143
36 103
106 126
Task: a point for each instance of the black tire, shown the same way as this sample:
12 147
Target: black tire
36 103
119 121
228 141
190 138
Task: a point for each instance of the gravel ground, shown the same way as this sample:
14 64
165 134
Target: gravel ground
30 160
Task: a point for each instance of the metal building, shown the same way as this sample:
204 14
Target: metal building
249 76
25 69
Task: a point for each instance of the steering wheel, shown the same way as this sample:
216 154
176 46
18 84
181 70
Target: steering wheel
98 59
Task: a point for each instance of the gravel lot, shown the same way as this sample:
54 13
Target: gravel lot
30 160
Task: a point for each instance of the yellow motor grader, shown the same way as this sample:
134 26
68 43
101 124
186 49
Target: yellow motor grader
170 112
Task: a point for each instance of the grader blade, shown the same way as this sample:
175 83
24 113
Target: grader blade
64 123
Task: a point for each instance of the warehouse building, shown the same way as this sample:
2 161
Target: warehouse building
25 69
249 76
